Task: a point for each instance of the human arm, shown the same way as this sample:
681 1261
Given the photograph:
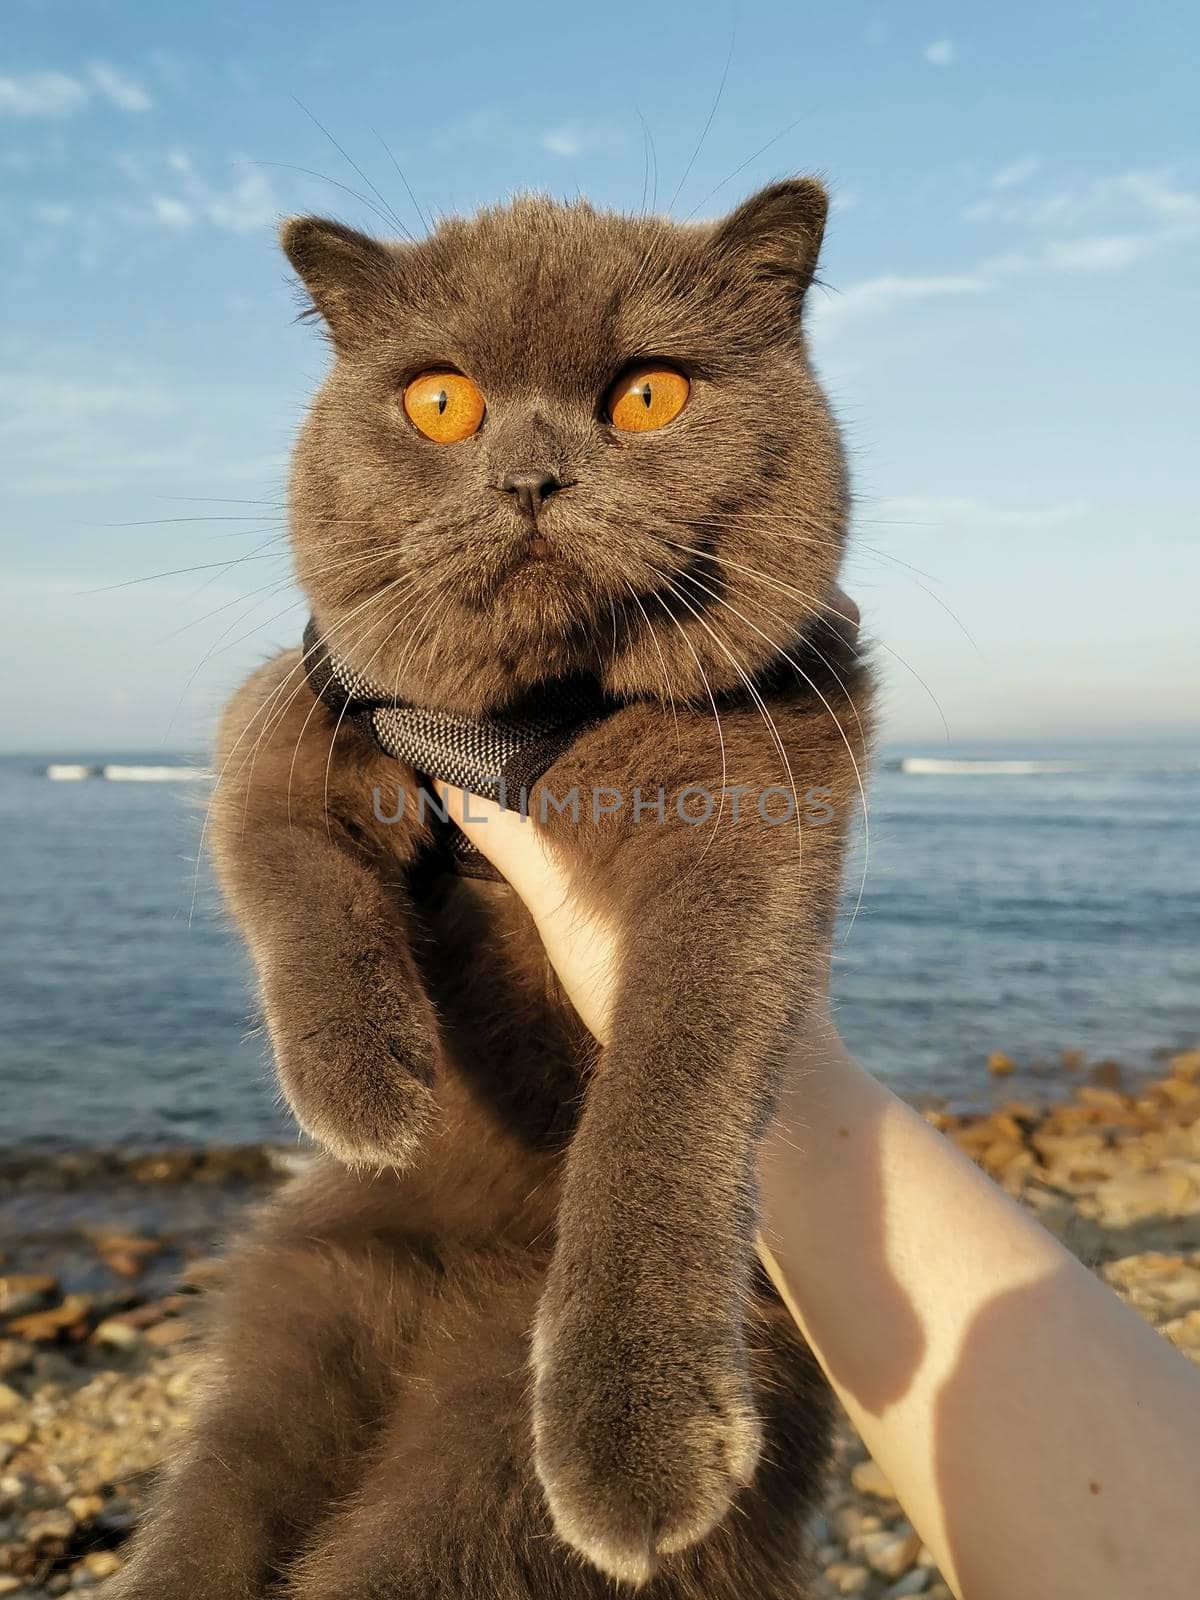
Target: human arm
1042 1439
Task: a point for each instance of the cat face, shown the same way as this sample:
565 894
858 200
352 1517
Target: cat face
555 439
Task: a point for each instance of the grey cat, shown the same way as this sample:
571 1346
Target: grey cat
509 1338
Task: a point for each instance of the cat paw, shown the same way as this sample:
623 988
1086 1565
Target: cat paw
640 1444
363 1094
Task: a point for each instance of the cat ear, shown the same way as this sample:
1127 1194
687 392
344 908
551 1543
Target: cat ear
349 277
779 230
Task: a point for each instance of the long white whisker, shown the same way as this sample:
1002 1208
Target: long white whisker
862 791
712 700
662 660
763 712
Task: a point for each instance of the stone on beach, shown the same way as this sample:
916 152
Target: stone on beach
23 1292
892 1551
869 1478
95 1382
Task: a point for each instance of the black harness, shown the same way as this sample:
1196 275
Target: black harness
499 756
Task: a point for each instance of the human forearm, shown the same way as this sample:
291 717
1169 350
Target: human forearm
1015 1403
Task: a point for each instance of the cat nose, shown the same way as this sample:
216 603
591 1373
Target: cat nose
531 489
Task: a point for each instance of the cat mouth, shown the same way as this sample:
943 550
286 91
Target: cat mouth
535 555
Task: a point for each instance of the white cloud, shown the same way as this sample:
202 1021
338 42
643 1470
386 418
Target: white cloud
174 193
247 204
29 401
940 53
118 88
564 141
1128 217
1117 198
165 192
1111 252
71 434
53 214
58 94
1091 254
1016 172
873 296
171 213
41 94
1156 193
576 138
969 511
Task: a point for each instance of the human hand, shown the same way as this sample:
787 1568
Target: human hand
580 946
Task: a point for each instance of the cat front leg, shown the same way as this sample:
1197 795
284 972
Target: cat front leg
644 1423
311 838
645 1429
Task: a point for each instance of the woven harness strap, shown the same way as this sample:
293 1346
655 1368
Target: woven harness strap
499 756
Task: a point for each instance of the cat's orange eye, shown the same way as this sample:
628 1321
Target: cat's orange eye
647 397
444 406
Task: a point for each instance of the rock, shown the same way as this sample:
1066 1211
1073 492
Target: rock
101 1564
117 1520
869 1478
1021 1112
847 1522
180 1384
1186 1065
1181 1091
892 1551
914 1582
847 1578
1184 1334
123 1263
1156 1283
1103 1097
116 1335
168 1333
83 1507
1106 1075
49 1366
15 1433
21 1292
1000 1065
169 1166
1172 1190
126 1254
54 1527
10 1401
152 1311
14 1354
1005 1154
50 1324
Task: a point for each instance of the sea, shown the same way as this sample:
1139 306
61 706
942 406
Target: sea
1044 904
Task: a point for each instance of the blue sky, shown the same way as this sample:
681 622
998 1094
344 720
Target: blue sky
1009 333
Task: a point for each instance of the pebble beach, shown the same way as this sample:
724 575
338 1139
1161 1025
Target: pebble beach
105 1258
